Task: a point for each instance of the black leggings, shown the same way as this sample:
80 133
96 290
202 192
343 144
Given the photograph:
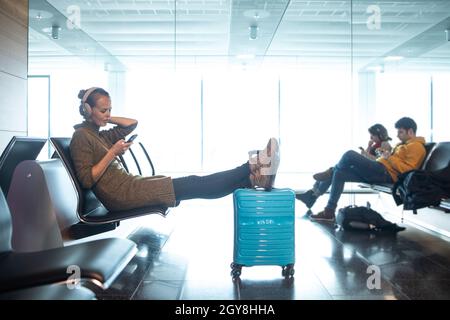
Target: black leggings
212 186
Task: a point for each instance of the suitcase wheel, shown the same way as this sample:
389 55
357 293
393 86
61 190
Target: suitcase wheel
235 270
288 271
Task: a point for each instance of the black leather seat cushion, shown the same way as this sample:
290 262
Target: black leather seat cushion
17 150
100 260
90 209
445 204
439 158
49 292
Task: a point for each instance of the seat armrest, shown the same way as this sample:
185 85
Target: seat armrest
98 262
49 292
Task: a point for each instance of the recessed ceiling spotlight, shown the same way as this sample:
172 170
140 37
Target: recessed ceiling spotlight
393 58
39 14
447 34
253 32
53 31
256 14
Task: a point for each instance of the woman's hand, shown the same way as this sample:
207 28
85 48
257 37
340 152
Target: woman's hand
363 152
385 153
120 147
121 121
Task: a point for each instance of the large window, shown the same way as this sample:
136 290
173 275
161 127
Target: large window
168 108
240 114
316 119
38 124
441 107
404 94
211 80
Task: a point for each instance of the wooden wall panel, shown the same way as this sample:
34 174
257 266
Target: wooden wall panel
16 9
13 69
14 47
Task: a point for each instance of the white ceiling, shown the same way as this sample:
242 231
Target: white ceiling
125 32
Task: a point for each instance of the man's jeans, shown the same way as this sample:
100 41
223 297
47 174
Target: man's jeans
352 167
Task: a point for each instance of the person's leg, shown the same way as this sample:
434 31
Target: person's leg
212 186
354 167
320 187
323 182
351 168
310 196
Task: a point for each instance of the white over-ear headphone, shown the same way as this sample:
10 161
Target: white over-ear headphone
86 107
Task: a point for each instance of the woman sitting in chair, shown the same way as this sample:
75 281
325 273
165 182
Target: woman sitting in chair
94 153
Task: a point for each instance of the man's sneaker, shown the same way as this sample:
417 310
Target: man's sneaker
324 176
327 215
308 198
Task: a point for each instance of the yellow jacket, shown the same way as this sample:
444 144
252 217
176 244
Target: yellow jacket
406 156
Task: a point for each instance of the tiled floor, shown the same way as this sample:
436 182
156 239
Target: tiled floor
187 256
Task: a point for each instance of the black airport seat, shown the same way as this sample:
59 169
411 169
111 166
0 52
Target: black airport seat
149 160
439 158
430 162
99 262
445 204
50 292
17 150
142 164
90 209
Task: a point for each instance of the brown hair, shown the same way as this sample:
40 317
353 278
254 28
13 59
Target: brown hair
91 99
380 131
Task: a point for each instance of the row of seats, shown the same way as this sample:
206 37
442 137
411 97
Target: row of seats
99 262
36 215
437 158
91 216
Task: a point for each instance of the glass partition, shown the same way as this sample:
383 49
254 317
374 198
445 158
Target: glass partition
210 80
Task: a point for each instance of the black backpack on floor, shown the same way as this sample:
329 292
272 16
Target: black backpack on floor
364 218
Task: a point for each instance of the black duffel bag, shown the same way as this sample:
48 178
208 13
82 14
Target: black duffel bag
418 189
364 218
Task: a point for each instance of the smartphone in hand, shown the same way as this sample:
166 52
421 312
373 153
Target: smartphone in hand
132 138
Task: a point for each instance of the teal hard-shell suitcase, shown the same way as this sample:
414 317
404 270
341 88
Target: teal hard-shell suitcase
264 229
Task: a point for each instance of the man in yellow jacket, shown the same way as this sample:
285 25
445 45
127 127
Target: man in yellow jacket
353 167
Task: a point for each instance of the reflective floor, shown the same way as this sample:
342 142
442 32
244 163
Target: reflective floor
188 254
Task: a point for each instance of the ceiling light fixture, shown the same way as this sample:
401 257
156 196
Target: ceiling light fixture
393 58
39 15
253 32
447 34
55 31
256 13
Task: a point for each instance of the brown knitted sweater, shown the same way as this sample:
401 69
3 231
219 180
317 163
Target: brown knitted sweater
116 189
